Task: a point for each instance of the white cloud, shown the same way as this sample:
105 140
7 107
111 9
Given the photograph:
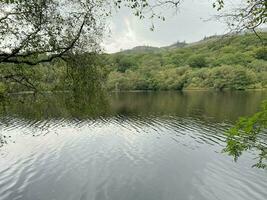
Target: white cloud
124 36
189 24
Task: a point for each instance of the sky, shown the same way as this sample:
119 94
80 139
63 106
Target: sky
193 21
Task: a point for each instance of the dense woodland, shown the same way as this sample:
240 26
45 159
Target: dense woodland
238 62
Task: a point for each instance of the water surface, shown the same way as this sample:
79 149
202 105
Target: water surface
127 146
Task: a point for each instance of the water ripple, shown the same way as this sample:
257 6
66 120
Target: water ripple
100 157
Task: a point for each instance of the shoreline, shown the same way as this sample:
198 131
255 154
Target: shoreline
192 89
115 91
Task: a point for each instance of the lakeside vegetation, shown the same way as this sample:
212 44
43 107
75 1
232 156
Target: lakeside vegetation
238 62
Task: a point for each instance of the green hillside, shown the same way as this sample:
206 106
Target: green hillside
237 62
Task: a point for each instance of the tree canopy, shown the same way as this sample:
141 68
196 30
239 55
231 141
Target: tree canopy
248 134
250 14
33 31
38 31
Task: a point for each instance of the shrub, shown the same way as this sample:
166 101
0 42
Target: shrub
197 61
233 59
124 63
261 54
3 90
237 78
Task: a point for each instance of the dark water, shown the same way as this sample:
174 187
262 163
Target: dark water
128 146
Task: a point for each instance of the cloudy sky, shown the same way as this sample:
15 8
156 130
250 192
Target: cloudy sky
194 20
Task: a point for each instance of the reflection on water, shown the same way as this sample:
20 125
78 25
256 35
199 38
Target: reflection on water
157 145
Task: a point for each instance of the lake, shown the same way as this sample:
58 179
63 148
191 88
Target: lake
127 146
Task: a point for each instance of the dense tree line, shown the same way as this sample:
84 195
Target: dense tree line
238 62
234 63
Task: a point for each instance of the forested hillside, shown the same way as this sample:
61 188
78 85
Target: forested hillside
237 62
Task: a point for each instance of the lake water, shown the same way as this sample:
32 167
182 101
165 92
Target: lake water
127 146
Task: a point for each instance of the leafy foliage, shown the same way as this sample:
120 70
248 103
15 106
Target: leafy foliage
33 31
39 31
248 14
261 54
123 63
84 73
197 61
246 135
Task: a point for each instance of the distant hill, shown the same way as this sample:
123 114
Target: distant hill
141 49
175 45
214 38
150 49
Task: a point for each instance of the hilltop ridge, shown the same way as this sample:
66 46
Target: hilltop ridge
179 44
